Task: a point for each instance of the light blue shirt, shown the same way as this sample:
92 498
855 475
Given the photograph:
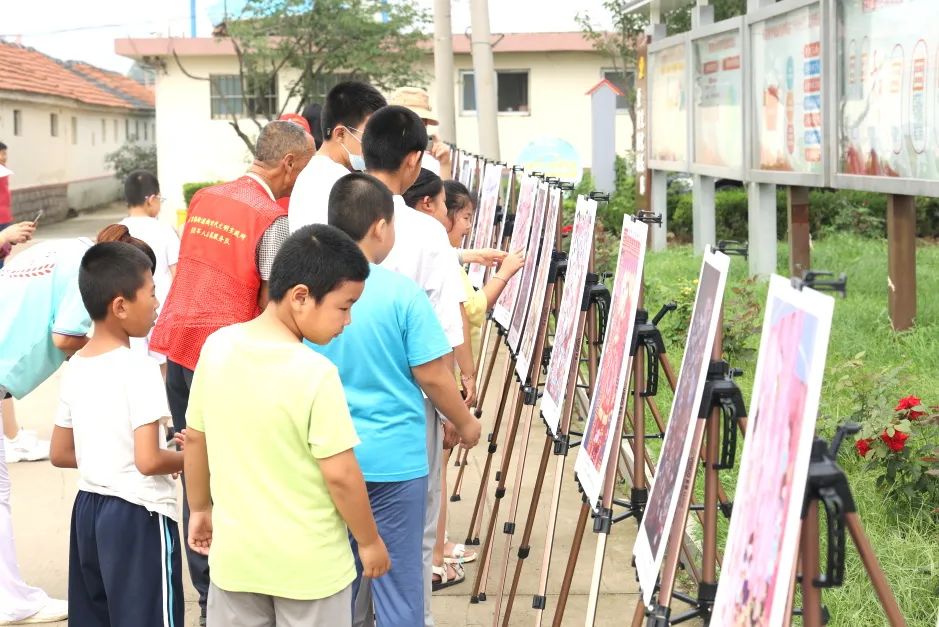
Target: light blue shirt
393 329
40 296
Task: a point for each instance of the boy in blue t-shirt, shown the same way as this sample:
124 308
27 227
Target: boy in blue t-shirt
392 351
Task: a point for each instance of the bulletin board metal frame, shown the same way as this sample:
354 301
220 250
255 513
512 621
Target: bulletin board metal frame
755 173
906 186
730 25
682 39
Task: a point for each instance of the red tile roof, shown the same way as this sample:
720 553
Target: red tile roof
210 46
27 70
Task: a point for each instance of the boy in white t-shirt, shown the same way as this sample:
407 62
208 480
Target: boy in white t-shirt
142 193
125 564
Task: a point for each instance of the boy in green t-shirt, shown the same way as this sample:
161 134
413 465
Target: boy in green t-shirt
271 477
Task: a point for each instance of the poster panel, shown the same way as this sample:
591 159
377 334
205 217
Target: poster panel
718 100
655 528
762 543
566 347
600 432
502 312
536 311
786 61
669 101
485 219
888 89
523 292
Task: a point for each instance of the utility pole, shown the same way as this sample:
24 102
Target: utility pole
443 70
484 74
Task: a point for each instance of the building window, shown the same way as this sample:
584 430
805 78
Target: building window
511 91
227 98
126 128
104 131
146 131
54 124
74 130
136 129
626 81
17 122
116 138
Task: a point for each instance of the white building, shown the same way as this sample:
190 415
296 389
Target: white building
543 79
59 120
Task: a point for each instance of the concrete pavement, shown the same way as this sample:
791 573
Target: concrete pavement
43 495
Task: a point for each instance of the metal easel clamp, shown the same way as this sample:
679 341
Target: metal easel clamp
500 212
509 225
538 602
539 175
566 186
518 168
558 268
659 616
530 395
599 196
603 520
828 484
562 444
648 217
591 280
810 278
733 247
646 334
722 392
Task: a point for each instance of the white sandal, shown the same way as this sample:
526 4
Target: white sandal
460 555
443 573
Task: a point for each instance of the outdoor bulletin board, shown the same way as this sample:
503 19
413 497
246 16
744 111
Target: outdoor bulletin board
887 92
789 103
669 104
718 95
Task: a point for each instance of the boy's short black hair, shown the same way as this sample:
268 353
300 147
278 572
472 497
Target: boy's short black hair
348 104
457 197
313 114
391 135
319 256
139 186
427 184
3 146
109 270
357 201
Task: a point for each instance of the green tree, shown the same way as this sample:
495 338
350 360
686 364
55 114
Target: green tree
621 44
317 43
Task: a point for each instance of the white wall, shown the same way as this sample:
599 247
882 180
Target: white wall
191 146
37 158
558 103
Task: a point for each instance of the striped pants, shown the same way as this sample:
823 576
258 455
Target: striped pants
125 565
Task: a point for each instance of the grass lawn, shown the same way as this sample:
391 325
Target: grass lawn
906 542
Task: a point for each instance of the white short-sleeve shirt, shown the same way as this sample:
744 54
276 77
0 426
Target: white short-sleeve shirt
103 400
309 201
422 252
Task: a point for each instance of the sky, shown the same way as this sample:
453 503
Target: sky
86 31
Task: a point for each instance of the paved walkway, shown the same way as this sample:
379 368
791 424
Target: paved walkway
43 498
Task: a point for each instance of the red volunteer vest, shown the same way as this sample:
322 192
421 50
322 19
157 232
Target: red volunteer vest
217 279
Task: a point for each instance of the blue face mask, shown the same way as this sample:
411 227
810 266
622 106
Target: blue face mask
357 162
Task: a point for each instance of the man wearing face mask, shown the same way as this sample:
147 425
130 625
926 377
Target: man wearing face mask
231 235
348 107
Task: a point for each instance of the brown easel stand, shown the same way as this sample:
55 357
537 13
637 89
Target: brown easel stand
525 395
560 445
828 485
484 375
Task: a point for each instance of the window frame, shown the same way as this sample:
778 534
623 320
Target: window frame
272 98
473 112
17 122
54 125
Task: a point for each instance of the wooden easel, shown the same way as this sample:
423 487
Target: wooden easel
526 395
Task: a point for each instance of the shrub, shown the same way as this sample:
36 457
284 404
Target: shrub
190 189
130 157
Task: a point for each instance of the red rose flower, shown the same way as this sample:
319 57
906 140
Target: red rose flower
896 442
907 403
566 230
863 446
